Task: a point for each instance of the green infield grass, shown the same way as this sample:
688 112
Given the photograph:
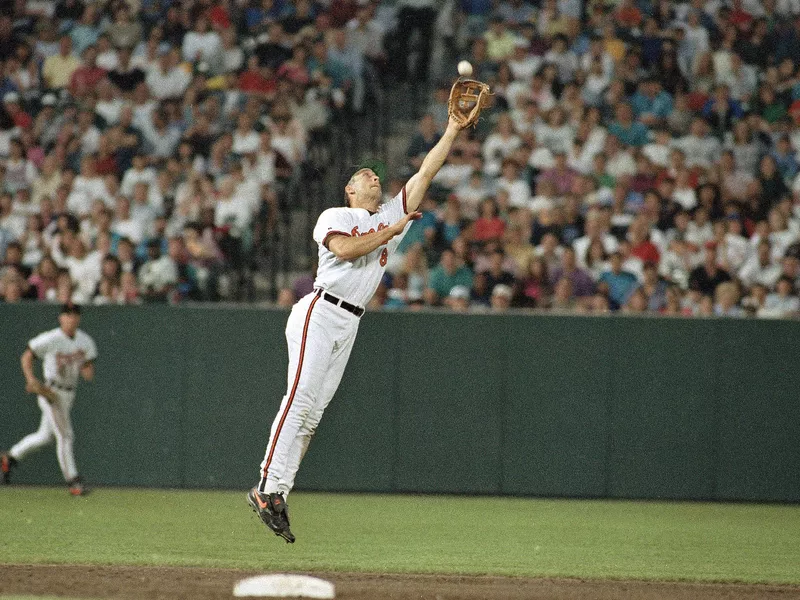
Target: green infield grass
401 534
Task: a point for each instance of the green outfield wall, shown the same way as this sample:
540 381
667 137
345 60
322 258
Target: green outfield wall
530 405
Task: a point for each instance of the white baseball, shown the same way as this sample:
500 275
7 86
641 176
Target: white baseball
464 68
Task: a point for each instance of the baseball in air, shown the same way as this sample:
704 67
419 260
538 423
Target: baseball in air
464 68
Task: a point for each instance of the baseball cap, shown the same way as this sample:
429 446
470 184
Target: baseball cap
459 292
70 308
501 289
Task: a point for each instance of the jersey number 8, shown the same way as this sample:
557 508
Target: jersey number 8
384 257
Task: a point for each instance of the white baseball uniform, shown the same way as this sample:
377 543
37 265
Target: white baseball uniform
62 359
320 333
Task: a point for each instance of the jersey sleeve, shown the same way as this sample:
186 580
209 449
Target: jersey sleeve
41 344
395 209
331 222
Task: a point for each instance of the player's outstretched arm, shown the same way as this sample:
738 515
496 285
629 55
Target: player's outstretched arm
350 248
417 186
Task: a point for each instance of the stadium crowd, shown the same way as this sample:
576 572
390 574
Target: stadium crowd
641 156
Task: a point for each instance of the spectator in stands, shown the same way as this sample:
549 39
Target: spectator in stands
158 276
581 283
187 118
618 283
448 274
59 68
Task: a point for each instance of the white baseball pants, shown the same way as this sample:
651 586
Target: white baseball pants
55 424
320 336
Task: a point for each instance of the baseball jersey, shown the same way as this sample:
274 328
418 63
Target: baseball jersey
356 280
63 356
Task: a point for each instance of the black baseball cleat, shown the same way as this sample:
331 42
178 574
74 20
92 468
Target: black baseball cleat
77 488
6 464
272 510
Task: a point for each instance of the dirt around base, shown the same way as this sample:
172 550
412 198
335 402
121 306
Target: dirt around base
162 583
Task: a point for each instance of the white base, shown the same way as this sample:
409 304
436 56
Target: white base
284 586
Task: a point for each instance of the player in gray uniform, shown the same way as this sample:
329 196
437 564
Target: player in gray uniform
66 352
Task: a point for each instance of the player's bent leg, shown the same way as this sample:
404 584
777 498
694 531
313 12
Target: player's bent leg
33 441
61 425
335 371
310 351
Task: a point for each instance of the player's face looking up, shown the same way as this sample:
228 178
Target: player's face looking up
69 323
364 190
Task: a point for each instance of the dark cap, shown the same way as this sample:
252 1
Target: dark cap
70 308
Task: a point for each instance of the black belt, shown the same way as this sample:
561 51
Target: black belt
351 308
60 387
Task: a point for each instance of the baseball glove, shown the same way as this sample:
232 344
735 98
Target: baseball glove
467 99
41 389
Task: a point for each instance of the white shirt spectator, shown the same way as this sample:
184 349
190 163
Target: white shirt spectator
786 8
90 140
742 83
245 143
158 274
621 165
107 60
161 143
20 175
79 203
541 158
145 215
450 175
699 235
519 192
523 70
208 46
14 224
496 148
658 154
171 84
517 91
686 197
733 252
249 190
777 306
566 62
753 272
264 168
93 187
109 109
130 228
85 274
699 151
232 211
291 146
676 268
133 176
593 88
605 60
581 246
555 139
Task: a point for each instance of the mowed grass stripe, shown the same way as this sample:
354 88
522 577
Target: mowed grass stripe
402 534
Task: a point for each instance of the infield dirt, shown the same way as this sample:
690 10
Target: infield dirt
162 583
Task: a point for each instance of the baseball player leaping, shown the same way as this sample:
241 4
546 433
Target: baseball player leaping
354 245
66 352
